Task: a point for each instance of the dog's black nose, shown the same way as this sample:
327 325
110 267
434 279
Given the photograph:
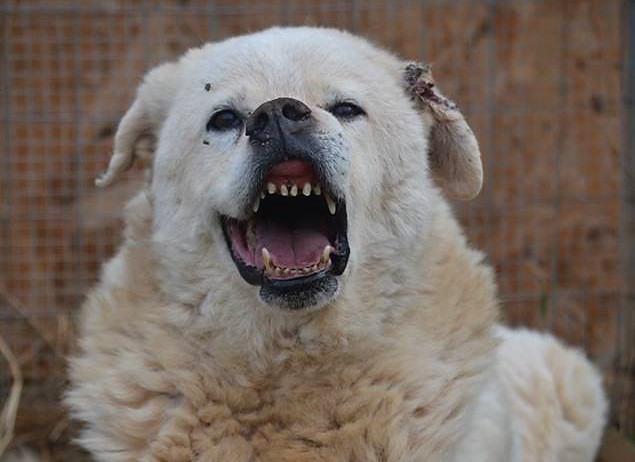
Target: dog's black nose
277 119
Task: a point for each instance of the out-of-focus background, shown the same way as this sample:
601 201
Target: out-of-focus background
547 86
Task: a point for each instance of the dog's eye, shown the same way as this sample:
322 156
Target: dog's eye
227 119
346 110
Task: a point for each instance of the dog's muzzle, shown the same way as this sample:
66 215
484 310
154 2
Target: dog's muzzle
294 241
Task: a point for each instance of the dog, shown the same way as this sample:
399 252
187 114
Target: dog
293 285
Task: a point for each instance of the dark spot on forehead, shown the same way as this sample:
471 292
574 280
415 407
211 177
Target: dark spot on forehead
208 86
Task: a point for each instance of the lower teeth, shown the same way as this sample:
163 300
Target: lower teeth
281 271
272 270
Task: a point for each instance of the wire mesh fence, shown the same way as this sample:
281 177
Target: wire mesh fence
541 82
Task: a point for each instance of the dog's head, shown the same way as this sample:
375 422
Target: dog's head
305 156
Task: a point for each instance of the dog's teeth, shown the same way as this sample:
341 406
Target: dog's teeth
256 205
286 271
271 188
262 194
317 189
294 190
284 190
326 253
330 202
306 190
277 271
266 259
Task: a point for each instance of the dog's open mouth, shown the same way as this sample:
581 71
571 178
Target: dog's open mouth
295 238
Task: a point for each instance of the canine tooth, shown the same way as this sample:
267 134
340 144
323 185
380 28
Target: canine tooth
330 202
306 189
271 188
266 258
262 194
256 205
284 190
326 253
317 189
294 190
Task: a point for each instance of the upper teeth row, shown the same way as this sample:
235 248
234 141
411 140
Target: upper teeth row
293 190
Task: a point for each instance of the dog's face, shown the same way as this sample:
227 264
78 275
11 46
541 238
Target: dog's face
296 158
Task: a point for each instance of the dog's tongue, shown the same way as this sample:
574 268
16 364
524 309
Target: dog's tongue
292 244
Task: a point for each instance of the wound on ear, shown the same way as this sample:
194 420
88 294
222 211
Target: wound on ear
421 86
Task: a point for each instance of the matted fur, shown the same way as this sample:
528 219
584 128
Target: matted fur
181 361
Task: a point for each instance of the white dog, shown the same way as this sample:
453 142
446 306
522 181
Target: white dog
293 285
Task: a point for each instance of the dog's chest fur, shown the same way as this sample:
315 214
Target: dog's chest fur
337 409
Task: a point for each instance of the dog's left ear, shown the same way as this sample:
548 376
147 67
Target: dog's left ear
139 128
455 158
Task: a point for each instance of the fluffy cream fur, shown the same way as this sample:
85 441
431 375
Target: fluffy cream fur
181 361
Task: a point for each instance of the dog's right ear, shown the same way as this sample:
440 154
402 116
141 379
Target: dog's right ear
139 128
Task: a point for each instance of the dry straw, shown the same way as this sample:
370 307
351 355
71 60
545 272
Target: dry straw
10 407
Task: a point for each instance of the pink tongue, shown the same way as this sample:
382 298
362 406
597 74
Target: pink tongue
291 245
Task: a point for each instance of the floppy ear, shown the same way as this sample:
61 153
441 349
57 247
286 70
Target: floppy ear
139 128
455 158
